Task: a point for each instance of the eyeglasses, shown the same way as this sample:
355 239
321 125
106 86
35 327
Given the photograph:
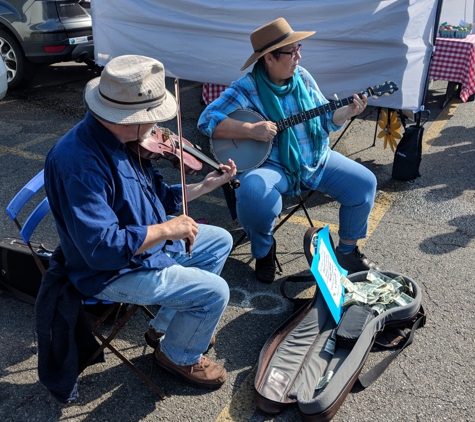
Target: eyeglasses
293 53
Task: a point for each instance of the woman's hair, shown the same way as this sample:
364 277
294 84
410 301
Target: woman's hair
275 53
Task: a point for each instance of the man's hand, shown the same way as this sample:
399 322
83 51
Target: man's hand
177 228
211 181
218 178
180 228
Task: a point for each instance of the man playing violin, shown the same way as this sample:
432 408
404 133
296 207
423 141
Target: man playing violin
111 211
300 158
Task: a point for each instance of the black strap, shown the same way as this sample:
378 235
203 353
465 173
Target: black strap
373 374
38 262
298 302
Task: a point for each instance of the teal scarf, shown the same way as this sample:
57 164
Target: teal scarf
289 151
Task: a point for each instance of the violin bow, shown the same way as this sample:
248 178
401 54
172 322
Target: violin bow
182 161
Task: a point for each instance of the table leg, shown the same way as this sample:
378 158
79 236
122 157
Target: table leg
452 89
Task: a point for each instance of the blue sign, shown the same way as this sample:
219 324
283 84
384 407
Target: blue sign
328 272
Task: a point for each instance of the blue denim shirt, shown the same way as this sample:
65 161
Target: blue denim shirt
102 200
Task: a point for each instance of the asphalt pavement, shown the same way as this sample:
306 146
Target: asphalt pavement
424 229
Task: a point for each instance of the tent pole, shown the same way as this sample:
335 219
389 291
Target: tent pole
436 28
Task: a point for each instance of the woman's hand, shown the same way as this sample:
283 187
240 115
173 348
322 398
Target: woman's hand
263 131
342 114
359 104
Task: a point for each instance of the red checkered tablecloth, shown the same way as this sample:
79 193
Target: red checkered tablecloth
211 92
454 61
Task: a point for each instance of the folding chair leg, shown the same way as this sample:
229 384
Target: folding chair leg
131 365
301 204
278 265
239 241
147 312
105 342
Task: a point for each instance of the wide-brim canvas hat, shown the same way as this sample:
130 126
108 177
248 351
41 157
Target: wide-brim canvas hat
272 36
131 90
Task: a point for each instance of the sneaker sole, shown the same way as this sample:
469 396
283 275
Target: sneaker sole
185 378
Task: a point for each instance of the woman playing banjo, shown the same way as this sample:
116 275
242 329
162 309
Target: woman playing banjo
299 157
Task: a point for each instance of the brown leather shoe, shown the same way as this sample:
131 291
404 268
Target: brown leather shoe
205 373
153 337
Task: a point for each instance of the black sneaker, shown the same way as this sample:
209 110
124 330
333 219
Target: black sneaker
265 267
355 261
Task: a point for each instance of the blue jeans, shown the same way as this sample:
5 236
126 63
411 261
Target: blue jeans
192 294
259 199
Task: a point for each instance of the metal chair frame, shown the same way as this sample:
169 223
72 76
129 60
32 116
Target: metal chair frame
303 197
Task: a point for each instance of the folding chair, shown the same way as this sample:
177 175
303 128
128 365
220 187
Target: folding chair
303 197
26 231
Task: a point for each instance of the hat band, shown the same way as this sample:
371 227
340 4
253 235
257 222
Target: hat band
278 40
152 100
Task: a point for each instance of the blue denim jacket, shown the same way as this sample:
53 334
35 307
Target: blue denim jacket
102 200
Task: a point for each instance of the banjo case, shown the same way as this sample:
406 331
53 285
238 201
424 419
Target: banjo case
295 357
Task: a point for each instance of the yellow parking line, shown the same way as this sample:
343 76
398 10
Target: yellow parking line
21 153
241 406
20 148
436 127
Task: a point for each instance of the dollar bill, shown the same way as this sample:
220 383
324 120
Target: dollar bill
379 291
379 308
347 284
403 299
374 275
353 298
330 346
323 381
407 286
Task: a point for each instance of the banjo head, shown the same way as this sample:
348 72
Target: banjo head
246 153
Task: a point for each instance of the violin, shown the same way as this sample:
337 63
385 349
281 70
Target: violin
163 143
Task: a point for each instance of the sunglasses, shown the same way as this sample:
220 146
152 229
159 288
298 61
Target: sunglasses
293 53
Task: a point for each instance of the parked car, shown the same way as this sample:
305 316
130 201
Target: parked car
35 32
3 79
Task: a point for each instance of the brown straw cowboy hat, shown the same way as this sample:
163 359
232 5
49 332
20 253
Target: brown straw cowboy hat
272 36
130 91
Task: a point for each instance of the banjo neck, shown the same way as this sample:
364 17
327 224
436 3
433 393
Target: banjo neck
317 111
249 153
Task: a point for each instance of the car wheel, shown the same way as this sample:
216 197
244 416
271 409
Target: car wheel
20 70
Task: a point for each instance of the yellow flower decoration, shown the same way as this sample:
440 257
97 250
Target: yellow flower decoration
390 126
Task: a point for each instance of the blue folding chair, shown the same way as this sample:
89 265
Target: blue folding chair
123 312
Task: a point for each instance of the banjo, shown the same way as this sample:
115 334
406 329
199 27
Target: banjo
249 153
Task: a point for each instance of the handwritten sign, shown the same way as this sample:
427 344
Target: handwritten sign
327 272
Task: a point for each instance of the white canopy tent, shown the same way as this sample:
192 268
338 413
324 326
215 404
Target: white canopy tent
359 43
453 11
